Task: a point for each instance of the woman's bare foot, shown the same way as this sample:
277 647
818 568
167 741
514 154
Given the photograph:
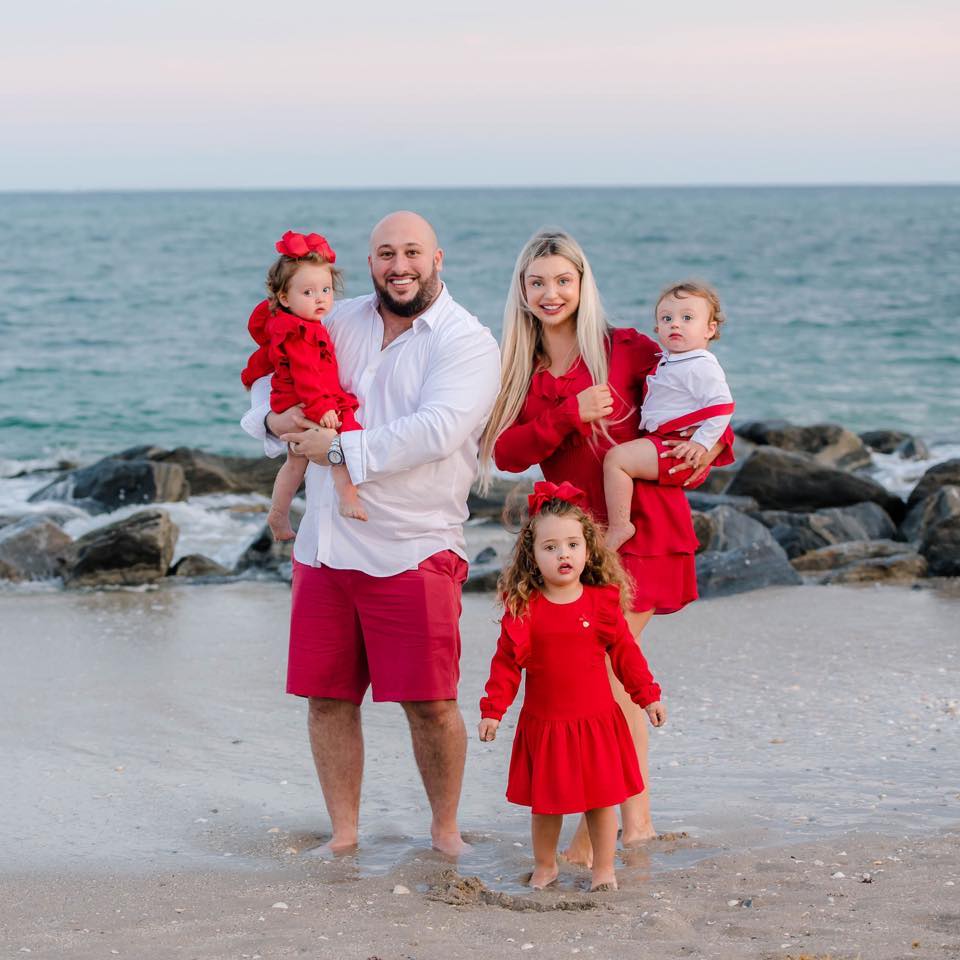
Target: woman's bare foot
333 848
618 534
580 850
279 523
351 506
638 836
543 877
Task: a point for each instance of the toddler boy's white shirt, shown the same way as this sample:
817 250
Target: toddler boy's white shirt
424 401
684 383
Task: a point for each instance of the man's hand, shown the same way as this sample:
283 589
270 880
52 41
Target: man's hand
594 403
330 420
487 729
702 467
657 713
312 443
291 419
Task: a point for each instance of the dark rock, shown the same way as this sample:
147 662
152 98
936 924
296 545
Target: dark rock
268 555
896 441
33 548
828 443
935 524
941 475
779 480
716 482
699 500
799 533
733 530
933 508
503 494
109 484
862 561
704 528
197 565
485 555
213 473
135 550
761 564
482 579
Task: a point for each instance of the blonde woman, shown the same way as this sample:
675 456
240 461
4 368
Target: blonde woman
571 388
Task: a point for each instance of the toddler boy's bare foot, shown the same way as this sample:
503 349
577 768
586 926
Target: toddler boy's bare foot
351 506
279 524
543 876
618 534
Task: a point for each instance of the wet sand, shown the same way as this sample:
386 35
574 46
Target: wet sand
159 800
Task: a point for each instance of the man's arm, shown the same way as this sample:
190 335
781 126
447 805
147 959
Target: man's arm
254 420
457 396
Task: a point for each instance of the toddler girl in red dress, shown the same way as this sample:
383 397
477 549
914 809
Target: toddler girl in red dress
564 593
294 346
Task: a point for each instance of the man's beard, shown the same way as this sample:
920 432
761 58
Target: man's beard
410 308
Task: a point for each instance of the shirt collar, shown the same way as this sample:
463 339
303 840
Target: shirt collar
689 355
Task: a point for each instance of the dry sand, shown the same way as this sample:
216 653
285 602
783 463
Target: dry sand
158 799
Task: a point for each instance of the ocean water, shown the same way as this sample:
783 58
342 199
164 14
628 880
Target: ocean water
123 315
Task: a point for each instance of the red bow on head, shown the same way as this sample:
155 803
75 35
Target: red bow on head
297 245
545 491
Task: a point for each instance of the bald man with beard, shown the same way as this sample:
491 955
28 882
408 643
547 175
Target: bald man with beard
377 604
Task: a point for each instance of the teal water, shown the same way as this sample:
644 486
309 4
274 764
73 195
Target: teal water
123 315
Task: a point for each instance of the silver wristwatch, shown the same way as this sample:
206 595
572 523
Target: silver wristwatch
334 453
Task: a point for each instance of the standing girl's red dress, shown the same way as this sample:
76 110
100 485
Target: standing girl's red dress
572 749
549 432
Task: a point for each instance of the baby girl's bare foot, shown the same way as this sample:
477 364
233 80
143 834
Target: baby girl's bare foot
543 876
351 506
618 534
279 524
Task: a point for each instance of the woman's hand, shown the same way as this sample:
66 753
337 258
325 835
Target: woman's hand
487 729
594 403
330 420
291 419
692 454
704 463
657 713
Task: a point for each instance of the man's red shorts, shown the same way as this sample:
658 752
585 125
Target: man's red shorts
401 634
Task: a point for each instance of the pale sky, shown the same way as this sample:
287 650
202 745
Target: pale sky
119 94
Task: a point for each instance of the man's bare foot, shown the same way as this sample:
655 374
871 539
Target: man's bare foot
579 856
637 836
618 534
279 523
332 849
351 506
543 877
450 844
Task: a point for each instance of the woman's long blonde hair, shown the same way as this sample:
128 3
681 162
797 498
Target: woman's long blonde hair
521 578
521 344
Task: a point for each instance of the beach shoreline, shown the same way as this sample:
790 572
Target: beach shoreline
158 767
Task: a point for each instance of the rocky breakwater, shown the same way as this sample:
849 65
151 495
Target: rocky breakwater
137 548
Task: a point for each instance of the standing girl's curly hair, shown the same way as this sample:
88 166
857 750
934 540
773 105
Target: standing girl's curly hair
521 577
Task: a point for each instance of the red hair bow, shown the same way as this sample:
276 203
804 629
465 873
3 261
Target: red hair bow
545 491
297 245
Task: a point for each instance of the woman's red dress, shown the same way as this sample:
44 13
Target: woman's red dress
299 354
572 749
549 432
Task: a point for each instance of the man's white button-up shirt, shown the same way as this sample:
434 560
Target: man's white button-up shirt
424 401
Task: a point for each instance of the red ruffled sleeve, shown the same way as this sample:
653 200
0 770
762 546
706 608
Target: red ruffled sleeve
513 649
535 436
628 662
259 365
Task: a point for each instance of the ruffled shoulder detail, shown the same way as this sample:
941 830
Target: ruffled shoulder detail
644 351
518 630
606 611
258 323
285 326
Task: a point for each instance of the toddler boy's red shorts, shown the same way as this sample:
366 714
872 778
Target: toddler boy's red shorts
401 634
666 464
